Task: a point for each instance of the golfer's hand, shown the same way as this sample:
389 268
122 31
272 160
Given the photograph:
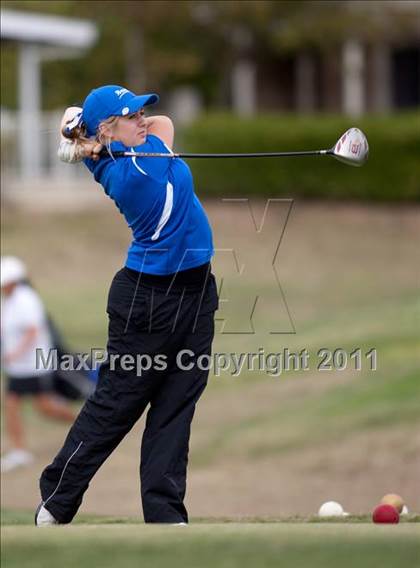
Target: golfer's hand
91 149
72 151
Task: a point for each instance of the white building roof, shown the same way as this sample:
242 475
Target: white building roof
38 28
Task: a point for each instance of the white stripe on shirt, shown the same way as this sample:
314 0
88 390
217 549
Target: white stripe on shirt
167 210
133 159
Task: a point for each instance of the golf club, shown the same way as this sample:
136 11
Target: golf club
352 148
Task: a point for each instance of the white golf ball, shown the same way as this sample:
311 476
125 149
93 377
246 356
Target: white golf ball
404 510
331 509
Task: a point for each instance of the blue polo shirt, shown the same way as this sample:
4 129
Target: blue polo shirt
170 229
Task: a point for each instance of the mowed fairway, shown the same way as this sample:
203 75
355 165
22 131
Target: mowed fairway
204 545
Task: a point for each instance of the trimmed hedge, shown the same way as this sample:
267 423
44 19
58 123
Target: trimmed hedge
392 172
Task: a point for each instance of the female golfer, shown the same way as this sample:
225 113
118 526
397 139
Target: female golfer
161 312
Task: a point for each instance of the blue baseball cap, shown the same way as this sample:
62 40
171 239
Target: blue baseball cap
111 100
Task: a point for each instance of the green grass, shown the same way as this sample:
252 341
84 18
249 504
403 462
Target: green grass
11 517
351 279
371 402
205 545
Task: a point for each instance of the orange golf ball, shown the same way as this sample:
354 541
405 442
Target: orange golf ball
393 499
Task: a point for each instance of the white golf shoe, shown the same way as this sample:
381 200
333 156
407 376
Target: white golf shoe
14 459
43 518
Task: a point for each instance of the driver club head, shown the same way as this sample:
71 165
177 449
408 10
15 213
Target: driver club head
352 148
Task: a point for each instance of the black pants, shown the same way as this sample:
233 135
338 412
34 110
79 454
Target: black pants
149 321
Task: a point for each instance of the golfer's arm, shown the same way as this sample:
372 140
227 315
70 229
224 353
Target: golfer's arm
162 127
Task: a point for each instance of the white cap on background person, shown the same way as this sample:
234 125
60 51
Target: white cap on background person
12 270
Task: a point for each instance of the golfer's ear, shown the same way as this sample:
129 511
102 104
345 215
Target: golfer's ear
104 131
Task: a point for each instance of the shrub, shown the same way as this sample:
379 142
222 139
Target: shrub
392 172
